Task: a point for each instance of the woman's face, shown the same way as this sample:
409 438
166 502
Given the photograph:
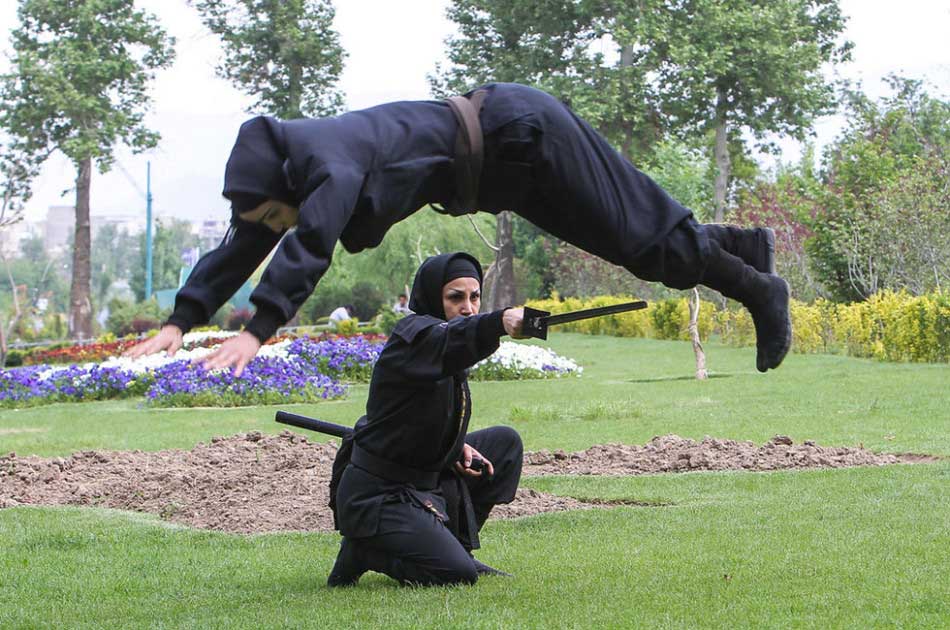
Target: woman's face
276 215
461 296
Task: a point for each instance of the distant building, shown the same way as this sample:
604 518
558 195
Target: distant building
12 236
210 232
132 224
10 240
60 226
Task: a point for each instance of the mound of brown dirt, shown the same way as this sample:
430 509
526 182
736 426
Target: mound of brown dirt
257 483
671 453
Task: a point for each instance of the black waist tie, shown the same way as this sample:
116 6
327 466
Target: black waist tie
469 153
422 479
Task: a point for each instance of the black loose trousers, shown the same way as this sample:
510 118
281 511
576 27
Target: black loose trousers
356 175
413 542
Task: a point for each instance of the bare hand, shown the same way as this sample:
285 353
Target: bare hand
168 338
468 454
513 320
236 351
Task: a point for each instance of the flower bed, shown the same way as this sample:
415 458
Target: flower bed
516 361
289 370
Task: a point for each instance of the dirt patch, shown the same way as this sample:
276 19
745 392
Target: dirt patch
671 453
257 483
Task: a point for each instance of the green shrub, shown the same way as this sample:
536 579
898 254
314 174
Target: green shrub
134 317
387 319
890 326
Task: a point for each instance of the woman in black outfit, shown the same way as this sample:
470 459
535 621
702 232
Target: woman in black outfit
308 184
409 503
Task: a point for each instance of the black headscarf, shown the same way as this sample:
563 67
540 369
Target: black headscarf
433 273
256 170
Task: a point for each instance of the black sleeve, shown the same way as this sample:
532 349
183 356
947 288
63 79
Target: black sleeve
221 272
304 255
447 348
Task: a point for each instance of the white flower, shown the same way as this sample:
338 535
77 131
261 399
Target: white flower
198 337
518 356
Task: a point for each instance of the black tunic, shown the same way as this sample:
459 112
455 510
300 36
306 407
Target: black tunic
356 175
419 405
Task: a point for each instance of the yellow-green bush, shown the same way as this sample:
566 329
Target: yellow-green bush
666 319
670 319
888 326
734 326
896 326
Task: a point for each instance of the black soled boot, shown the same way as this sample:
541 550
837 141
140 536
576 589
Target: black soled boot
483 569
765 295
348 567
756 246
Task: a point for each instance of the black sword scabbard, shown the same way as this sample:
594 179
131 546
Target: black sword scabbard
312 424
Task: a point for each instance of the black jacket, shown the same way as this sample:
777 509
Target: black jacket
419 407
355 175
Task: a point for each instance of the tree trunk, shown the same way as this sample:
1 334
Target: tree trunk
701 373
80 306
723 164
501 288
626 60
295 93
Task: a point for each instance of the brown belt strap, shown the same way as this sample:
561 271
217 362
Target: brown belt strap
469 151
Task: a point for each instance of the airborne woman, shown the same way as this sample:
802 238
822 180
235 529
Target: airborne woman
309 183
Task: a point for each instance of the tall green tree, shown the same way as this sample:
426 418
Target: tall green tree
536 43
734 65
284 53
172 237
880 219
78 84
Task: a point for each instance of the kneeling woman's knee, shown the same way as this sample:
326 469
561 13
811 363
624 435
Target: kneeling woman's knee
510 437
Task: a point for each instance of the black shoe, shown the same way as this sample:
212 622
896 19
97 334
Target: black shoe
483 569
348 567
765 295
755 246
773 325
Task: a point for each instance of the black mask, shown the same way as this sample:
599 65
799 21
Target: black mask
435 271
256 169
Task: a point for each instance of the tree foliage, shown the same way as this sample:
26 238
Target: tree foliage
284 53
552 45
881 219
80 76
78 84
732 65
115 253
169 240
391 266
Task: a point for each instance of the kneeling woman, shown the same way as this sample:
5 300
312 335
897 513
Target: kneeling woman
409 503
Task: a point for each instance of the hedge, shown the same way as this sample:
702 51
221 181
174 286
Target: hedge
889 326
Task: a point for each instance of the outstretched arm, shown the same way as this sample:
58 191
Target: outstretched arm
215 278
301 259
447 348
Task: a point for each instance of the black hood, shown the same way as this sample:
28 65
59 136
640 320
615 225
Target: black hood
426 296
256 170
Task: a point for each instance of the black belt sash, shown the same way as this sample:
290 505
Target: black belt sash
421 479
469 152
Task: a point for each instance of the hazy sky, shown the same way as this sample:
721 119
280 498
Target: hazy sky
391 46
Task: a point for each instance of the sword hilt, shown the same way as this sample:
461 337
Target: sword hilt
534 324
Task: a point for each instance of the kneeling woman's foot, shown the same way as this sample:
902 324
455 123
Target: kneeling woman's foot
483 569
773 325
348 567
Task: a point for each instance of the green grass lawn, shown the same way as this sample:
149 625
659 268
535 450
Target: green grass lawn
840 548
